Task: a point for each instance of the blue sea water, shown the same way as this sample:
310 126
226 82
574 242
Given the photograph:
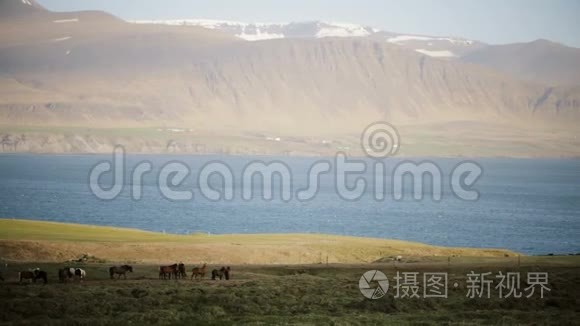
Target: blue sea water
527 205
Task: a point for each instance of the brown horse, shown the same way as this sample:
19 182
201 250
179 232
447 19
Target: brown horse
181 271
33 276
224 271
167 271
120 270
38 274
65 274
26 275
198 271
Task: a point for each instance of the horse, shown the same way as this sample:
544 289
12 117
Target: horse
33 275
26 275
224 271
181 271
80 274
71 272
165 271
120 270
38 274
65 274
198 271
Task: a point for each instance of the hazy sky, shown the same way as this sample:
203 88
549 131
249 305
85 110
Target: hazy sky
492 21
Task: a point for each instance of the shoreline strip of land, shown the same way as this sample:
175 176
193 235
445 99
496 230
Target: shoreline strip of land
29 240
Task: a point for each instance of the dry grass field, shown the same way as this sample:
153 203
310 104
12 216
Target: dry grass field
22 240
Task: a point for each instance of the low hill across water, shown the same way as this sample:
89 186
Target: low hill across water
24 240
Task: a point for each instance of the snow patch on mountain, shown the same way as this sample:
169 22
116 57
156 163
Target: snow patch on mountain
259 36
342 30
404 38
437 54
64 21
60 39
442 47
264 31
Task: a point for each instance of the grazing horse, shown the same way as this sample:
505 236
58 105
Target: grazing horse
33 275
167 271
38 274
181 271
224 271
75 273
198 271
65 274
120 270
80 274
26 275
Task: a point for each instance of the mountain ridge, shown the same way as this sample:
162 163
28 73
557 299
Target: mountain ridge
541 61
430 45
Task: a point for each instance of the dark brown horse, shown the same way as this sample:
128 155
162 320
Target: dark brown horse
33 276
38 274
26 275
199 271
224 271
181 271
167 271
120 270
65 274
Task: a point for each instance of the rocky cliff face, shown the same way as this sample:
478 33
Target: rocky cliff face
540 61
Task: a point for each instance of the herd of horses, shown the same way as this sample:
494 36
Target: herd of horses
177 271
33 276
64 275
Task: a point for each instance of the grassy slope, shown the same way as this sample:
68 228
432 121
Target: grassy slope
23 240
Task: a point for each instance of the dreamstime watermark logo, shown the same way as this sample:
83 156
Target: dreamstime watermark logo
367 280
379 141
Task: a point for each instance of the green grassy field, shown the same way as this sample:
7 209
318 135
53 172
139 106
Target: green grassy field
283 295
13 229
268 286
22 240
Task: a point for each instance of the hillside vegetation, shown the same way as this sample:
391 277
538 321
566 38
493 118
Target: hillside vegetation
22 240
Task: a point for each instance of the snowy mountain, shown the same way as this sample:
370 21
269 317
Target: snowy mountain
18 7
442 47
265 31
89 71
